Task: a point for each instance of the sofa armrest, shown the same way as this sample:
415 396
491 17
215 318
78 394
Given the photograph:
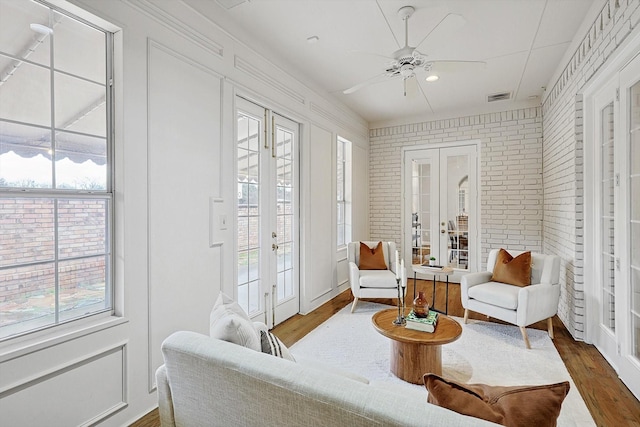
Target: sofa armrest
354 278
469 280
165 402
537 302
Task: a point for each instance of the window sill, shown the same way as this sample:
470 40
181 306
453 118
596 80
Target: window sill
22 346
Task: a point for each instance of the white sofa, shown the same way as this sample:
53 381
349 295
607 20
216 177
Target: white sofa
210 382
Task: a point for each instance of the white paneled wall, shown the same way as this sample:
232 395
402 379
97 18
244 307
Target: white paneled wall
510 175
563 151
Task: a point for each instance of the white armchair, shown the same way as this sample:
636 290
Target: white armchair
521 306
373 283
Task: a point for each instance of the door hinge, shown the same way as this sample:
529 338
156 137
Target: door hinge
617 180
619 349
618 264
617 94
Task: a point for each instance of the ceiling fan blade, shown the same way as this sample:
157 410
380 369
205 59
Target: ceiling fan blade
362 52
449 24
450 66
375 79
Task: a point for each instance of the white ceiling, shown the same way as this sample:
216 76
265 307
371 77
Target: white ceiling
521 41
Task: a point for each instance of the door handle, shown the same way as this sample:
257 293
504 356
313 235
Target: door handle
274 247
442 231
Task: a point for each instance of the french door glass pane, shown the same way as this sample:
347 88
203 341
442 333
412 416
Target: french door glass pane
284 211
607 225
634 196
421 212
248 233
457 211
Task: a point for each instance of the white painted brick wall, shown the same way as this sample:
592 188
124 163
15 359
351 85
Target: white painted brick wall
510 175
562 157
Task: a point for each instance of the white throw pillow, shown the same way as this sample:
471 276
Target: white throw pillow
229 322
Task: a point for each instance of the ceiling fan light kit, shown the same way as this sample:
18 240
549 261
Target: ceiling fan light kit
407 60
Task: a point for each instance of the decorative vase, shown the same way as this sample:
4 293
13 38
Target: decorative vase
432 262
421 305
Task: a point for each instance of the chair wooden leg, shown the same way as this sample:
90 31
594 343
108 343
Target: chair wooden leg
526 338
353 306
550 327
466 315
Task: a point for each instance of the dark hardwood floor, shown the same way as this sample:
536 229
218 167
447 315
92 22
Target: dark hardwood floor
610 402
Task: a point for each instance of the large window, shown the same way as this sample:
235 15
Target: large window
343 191
55 168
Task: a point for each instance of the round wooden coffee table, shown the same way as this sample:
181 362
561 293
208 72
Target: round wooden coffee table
415 353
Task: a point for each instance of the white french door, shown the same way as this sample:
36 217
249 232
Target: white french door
606 219
440 207
628 293
267 213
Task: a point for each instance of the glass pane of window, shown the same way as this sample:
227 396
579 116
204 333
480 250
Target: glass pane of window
25 156
26 231
82 286
26 95
27 298
79 49
82 228
80 162
80 105
17 37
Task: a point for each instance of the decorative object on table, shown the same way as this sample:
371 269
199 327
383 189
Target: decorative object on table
432 261
435 270
401 281
420 305
425 324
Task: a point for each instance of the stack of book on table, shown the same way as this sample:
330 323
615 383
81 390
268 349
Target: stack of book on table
426 324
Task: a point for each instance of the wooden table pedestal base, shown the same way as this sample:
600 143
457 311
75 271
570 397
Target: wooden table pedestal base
410 361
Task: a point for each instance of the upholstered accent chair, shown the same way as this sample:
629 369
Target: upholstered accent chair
518 305
373 283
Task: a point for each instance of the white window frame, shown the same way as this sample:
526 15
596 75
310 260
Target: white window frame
57 194
343 174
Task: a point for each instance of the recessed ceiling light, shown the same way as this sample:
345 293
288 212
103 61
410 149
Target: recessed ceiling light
432 78
313 39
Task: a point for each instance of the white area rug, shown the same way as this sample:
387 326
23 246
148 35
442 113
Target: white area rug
486 353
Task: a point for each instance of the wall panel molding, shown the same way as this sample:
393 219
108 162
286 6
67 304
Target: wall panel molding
248 68
169 21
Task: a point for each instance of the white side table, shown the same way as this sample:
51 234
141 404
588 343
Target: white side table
436 271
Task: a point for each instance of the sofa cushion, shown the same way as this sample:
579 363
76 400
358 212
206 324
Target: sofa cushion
372 258
514 271
377 279
515 406
271 344
229 322
498 294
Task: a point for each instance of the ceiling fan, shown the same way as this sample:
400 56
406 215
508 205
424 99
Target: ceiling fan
407 61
